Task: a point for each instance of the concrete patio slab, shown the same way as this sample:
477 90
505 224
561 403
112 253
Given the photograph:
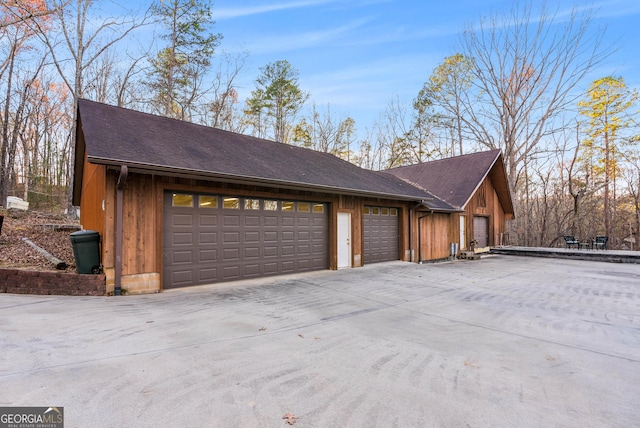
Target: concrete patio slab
503 341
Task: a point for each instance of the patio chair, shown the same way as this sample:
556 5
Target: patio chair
600 242
570 240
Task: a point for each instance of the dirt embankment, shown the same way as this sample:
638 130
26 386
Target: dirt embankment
48 231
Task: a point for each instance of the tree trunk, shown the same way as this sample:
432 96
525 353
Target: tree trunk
607 177
5 166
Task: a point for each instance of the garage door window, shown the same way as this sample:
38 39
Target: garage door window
318 208
271 205
208 201
288 206
304 207
231 203
182 200
252 204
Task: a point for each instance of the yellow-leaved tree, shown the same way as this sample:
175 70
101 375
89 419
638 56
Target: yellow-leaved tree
606 106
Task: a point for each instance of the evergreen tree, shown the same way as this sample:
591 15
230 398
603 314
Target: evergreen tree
178 69
606 105
276 100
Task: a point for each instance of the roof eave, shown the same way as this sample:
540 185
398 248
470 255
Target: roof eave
509 198
484 177
247 180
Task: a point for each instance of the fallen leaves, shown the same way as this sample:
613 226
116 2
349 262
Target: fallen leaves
471 364
290 418
14 253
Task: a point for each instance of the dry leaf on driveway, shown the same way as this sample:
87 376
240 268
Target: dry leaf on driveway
290 418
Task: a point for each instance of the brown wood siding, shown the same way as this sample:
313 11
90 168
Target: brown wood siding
140 233
92 217
109 239
139 227
435 236
492 209
499 220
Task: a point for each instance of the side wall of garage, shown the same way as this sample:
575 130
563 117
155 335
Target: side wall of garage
435 231
484 210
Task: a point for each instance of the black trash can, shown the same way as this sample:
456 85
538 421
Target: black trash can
86 250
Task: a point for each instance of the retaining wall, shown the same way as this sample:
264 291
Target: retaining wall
21 281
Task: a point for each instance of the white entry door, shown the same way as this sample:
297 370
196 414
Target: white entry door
344 240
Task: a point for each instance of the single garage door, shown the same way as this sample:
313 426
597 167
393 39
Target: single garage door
481 231
211 238
380 234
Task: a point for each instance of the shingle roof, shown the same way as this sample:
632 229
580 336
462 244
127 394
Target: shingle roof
118 136
456 179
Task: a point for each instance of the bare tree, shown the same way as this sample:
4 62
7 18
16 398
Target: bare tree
631 175
20 12
406 137
445 89
82 43
526 69
19 40
371 154
392 127
324 132
108 82
224 111
576 187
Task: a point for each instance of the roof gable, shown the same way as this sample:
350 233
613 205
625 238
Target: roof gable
457 178
116 136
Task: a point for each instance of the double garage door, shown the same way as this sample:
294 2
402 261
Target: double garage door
211 238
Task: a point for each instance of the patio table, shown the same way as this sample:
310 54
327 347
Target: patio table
586 245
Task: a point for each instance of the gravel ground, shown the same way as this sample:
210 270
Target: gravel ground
39 228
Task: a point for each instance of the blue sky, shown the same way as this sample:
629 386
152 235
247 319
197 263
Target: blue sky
357 55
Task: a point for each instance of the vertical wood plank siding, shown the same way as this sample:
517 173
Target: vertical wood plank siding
92 217
492 210
435 236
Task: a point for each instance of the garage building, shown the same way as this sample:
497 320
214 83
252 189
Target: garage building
179 204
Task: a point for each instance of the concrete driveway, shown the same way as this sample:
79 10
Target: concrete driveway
502 342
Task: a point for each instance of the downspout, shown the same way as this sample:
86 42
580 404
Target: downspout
410 235
122 180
